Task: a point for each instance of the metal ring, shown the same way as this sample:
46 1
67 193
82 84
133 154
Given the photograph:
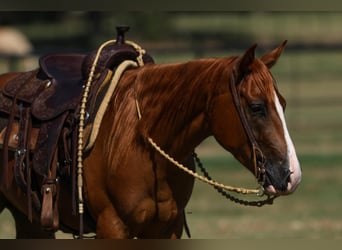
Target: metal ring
261 191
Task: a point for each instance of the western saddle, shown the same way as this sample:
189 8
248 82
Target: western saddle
39 113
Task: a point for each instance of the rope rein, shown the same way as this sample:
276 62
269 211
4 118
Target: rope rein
258 191
258 203
221 188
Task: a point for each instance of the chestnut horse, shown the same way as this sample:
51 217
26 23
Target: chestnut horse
131 190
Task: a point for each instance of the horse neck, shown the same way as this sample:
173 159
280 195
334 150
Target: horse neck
174 101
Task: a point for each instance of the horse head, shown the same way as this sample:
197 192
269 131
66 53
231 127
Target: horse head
248 120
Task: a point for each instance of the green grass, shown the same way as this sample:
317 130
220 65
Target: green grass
313 211
265 27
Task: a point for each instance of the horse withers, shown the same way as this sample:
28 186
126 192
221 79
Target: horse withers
131 190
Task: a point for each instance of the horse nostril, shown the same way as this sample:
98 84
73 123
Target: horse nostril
288 175
278 177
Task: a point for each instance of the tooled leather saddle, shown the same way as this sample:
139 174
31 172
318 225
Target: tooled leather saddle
39 121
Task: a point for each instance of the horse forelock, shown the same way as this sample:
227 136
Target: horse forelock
262 78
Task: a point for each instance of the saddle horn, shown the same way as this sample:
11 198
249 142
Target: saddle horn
121 30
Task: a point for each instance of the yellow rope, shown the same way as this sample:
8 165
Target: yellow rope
202 178
83 112
106 99
139 50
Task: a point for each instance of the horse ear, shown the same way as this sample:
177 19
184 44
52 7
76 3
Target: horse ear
271 58
242 66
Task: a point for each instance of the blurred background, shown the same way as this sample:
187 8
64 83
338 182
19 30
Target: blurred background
308 74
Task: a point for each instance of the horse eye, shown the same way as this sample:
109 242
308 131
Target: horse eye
257 109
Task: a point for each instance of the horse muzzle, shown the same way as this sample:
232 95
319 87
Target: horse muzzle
283 180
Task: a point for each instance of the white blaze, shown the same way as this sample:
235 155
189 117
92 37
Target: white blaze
295 169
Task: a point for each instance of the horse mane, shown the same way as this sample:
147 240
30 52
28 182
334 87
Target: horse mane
180 88
167 95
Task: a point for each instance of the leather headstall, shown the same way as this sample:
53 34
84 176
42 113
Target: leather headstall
258 157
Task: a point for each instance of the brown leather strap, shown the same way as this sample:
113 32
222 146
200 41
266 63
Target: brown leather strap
4 181
258 156
21 150
22 167
12 114
50 191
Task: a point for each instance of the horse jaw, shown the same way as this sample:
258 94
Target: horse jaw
295 169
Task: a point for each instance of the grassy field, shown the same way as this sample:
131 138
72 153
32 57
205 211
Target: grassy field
310 80
313 211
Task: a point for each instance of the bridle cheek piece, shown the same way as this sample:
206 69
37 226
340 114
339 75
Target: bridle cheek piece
259 160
